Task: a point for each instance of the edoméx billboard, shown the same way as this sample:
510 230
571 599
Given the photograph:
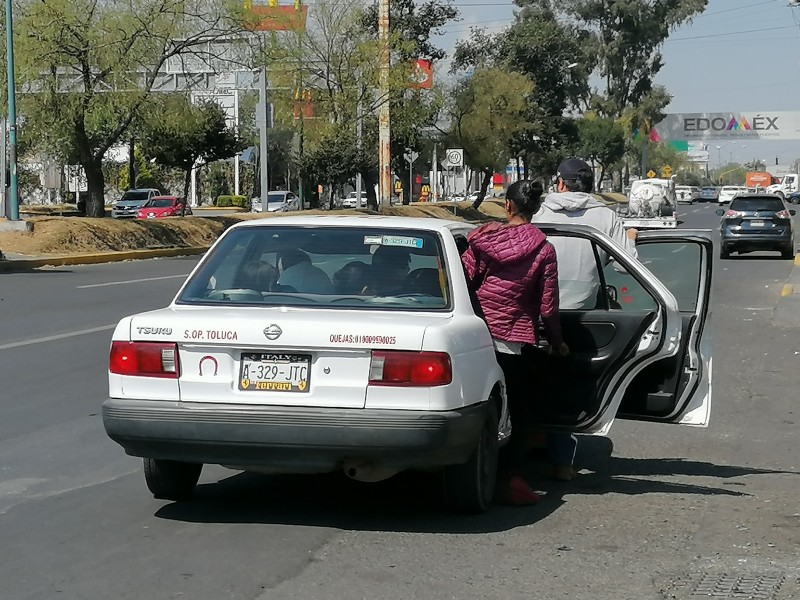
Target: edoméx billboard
733 125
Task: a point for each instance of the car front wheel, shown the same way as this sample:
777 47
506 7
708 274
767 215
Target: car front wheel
170 479
469 487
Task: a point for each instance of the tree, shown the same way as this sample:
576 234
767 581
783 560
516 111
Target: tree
486 112
90 68
552 54
626 36
180 135
602 141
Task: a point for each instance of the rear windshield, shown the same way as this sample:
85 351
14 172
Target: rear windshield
323 267
135 195
746 204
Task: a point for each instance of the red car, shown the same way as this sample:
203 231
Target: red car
163 206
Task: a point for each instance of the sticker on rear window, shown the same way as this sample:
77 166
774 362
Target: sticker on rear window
393 240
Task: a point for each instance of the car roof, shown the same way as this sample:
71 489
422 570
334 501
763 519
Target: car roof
383 221
760 197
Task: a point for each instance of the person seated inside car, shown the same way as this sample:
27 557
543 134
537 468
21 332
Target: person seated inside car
388 271
297 272
259 276
351 279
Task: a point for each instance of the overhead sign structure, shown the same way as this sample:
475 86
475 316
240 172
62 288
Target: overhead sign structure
765 125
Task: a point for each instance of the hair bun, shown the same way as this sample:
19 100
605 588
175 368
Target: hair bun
532 192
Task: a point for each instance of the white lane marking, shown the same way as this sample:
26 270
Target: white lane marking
96 285
60 336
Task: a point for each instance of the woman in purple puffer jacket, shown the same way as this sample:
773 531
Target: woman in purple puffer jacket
511 268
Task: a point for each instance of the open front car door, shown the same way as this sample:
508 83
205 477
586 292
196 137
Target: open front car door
635 333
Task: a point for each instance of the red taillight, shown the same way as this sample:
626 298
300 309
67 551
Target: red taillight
783 214
732 214
144 359
423 369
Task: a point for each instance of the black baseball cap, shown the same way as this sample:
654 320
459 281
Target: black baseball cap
574 169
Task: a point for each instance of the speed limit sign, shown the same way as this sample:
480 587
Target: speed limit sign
454 157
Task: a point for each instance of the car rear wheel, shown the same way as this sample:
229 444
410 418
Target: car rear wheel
170 479
469 487
724 252
788 252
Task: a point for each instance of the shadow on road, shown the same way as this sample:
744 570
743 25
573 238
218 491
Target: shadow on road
411 502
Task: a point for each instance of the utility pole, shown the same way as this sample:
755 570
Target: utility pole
435 190
263 117
359 135
384 131
12 199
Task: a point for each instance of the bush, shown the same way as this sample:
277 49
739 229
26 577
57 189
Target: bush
229 200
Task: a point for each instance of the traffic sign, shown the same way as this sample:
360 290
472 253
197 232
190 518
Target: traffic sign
454 157
411 156
651 173
666 171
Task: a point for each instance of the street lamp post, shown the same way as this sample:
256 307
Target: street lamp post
12 198
719 151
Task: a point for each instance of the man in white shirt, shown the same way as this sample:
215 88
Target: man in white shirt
578 274
573 203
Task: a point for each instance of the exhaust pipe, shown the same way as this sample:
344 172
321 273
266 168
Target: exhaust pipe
367 472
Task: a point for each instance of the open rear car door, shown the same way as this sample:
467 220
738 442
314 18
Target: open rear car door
637 348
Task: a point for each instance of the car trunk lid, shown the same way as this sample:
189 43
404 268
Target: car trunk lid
280 356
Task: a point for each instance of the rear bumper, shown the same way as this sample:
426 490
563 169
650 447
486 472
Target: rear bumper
772 239
289 439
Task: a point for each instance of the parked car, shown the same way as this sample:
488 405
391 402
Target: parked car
277 201
756 222
360 366
164 206
729 192
128 206
352 200
793 198
708 194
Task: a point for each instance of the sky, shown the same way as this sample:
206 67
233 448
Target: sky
738 56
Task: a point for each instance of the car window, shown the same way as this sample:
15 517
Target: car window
751 204
677 266
324 267
160 203
585 272
135 196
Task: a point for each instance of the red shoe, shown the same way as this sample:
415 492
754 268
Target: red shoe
519 493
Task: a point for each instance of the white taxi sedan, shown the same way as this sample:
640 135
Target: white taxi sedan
318 343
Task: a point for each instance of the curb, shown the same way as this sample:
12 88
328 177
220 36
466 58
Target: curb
97 258
787 310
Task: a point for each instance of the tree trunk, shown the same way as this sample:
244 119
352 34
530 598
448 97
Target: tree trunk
487 179
132 164
370 180
96 183
187 182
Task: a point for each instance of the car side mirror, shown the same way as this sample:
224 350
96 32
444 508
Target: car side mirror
720 212
792 212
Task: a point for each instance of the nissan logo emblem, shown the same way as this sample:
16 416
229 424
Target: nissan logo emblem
273 332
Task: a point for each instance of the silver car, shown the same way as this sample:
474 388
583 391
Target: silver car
278 201
128 206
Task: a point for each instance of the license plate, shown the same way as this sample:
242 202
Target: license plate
274 372
757 223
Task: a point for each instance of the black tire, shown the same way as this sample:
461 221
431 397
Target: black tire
469 488
788 253
724 252
170 479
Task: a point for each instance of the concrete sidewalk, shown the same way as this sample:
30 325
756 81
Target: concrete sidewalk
787 311
18 262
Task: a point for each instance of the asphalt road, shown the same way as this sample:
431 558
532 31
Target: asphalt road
658 512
